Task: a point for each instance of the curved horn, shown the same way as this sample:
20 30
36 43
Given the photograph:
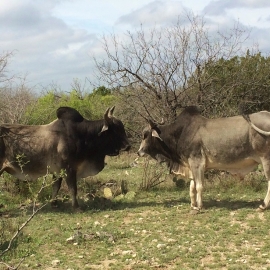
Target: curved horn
106 115
111 112
162 122
151 123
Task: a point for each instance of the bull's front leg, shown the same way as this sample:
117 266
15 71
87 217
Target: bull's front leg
72 186
266 201
197 166
266 168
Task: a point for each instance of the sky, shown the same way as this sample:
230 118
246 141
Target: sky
53 41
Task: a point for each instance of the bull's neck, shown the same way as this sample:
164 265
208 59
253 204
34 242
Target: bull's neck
93 127
169 142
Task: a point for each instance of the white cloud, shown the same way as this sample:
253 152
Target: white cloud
153 14
220 7
54 40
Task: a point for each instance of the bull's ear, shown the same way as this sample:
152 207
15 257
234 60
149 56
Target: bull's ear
107 119
155 134
104 128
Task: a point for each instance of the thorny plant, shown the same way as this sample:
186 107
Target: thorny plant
35 209
152 176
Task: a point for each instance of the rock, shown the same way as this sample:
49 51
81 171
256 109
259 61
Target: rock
161 245
130 195
70 239
126 252
107 193
55 262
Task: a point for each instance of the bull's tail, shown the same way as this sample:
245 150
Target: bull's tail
263 132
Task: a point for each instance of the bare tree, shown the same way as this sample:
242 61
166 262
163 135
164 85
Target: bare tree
15 97
4 60
156 72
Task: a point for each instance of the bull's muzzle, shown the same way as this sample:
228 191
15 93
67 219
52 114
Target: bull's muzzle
140 153
127 148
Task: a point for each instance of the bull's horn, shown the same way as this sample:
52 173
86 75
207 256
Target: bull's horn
106 115
151 123
154 123
162 121
111 111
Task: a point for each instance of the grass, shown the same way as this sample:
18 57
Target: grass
151 230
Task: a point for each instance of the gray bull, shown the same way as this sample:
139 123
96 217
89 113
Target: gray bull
196 143
70 143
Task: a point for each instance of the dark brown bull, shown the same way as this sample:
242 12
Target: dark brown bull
70 143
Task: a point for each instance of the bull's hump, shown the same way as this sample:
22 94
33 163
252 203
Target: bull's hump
67 113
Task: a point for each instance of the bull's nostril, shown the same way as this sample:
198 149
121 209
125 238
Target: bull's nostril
127 148
140 153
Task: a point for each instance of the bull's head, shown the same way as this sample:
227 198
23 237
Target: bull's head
115 134
152 142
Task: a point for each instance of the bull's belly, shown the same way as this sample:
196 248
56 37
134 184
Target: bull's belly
87 168
35 169
31 172
241 167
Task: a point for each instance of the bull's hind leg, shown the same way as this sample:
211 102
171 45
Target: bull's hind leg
57 181
266 168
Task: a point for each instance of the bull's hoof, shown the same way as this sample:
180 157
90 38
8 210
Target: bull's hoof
77 209
194 211
54 204
260 209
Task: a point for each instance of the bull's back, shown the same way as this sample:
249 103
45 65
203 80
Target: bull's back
226 140
29 150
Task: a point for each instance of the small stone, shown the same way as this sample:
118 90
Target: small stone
126 252
161 245
55 262
170 240
70 239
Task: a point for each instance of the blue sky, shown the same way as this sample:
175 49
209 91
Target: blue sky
54 40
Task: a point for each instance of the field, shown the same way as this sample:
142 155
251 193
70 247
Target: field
143 228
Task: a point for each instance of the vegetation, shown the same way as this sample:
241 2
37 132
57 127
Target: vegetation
91 106
150 229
